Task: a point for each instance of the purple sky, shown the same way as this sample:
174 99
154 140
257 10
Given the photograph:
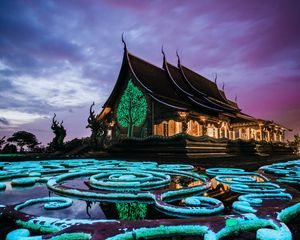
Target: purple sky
60 56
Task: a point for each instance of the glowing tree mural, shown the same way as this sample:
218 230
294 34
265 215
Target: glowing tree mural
132 109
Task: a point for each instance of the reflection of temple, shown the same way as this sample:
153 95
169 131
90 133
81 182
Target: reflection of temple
178 100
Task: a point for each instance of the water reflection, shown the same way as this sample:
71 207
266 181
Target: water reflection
131 211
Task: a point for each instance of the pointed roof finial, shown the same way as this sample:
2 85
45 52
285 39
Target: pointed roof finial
164 56
178 57
162 51
235 99
223 86
215 78
123 41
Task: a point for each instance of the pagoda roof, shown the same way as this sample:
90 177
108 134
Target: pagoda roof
171 86
156 83
177 87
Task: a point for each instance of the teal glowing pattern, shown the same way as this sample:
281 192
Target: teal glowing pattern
131 211
132 109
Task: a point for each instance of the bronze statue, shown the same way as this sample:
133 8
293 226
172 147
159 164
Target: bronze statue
59 132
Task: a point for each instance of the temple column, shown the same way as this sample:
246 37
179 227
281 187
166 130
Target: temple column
204 128
268 136
240 133
280 137
260 134
184 127
248 133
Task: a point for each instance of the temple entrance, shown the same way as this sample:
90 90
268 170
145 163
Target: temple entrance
194 128
212 131
167 128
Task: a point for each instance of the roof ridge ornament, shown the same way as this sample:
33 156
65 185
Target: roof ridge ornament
235 99
215 78
164 56
223 86
162 51
123 41
178 58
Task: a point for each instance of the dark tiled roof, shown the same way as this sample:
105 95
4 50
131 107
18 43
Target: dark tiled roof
156 79
178 78
202 84
173 84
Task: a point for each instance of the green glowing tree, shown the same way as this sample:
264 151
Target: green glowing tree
132 109
131 211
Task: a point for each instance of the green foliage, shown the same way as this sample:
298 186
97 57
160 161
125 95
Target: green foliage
295 144
2 141
74 143
23 138
9 148
132 109
131 211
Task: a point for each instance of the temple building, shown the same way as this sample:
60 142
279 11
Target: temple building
149 100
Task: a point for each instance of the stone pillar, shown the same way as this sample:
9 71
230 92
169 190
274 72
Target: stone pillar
280 137
248 133
184 126
204 128
261 134
226 133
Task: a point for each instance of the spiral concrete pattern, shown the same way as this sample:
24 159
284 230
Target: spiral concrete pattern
129 180
193 206
288 172
117 180
51 203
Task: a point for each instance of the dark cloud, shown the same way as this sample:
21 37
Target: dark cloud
4 121
254 47
29 39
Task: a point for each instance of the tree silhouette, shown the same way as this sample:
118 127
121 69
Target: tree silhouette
132 109
2 141
23 138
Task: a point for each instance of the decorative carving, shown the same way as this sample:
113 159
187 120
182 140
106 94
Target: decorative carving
99 128
60 133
